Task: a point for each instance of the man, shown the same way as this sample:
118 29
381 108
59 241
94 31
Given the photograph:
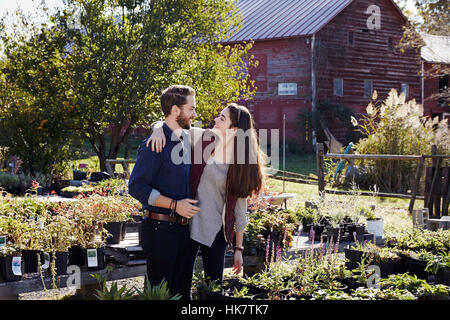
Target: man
161 183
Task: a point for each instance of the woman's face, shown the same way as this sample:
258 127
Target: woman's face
223 123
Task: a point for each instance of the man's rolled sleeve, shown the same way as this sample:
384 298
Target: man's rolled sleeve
153 196
147 164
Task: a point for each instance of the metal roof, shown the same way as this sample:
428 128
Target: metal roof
436 49
269 19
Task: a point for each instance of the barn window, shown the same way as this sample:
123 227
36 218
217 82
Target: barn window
405 90
368 88
390 44
351 40
338 87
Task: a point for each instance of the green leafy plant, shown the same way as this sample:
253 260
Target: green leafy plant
112 293
395 126
157 292
438 262
243 293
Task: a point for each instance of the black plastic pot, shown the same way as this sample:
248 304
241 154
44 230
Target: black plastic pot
115 229
100 259
31 260
417 267
388 267
77 256
443 276
124 230
261 296
402 263
318 230
354 257
209 295
353 284
358 228
61 261
334 234
6 272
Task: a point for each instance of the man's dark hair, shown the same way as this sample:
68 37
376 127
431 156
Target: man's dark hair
175 95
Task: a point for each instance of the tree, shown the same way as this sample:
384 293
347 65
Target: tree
33 100
123 53
430 17
98 68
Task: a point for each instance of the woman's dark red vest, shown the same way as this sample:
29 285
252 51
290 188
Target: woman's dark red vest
195 175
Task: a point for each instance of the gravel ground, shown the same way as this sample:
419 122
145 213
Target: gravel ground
56 294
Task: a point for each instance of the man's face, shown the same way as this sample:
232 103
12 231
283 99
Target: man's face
187 113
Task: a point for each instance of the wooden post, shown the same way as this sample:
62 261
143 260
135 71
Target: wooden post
435 173
320 169
416 184
446 202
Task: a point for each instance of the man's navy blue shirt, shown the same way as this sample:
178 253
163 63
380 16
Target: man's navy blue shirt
154 170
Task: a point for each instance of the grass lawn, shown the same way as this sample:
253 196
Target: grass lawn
394 211
303 164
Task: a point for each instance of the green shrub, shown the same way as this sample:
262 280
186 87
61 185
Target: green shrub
397 127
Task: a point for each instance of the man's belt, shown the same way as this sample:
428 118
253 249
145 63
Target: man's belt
166 217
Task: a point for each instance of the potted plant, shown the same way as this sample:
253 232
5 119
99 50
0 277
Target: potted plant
89 234
387 258
73 191
334 230
374 223
307 216
59 238
354 254
117 210
11 268
417 263
439 265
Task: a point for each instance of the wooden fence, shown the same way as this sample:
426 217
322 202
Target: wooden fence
437 191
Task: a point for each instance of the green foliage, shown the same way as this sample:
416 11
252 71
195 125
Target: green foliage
158 292
327 113
441 261
33 97
397 127
418 239
417 287
113 293
100 69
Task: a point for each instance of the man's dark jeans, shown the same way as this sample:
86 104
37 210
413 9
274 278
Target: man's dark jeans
165 245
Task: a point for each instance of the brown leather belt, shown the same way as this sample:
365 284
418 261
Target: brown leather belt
165 217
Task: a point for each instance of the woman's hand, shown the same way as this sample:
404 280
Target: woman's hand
238 262
157 139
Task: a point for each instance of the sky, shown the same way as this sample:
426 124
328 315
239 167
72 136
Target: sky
27 5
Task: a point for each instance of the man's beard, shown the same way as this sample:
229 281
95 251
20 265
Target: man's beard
183 121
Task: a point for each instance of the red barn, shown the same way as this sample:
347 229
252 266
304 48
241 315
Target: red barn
435 71
316 50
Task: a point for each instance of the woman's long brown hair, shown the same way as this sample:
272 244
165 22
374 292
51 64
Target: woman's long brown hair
245 175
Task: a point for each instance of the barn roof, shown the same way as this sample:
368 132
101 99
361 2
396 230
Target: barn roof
269 19
436 49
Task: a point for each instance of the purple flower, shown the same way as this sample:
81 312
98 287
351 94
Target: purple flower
267 249
278 253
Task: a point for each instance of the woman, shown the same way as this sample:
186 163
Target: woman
230 170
